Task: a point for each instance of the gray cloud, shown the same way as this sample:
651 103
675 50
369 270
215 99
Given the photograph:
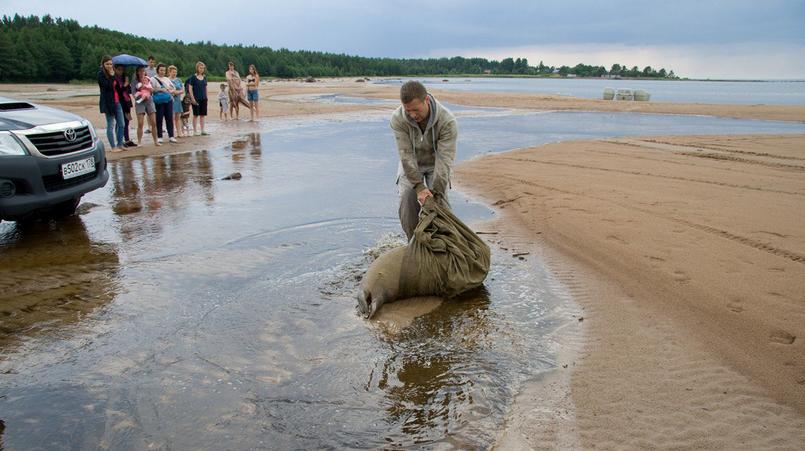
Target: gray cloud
412 28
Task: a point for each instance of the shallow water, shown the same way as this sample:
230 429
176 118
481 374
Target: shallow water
186 311
737 92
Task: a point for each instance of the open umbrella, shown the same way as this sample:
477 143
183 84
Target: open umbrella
128 60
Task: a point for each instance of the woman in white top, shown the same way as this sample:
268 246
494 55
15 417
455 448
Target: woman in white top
144 104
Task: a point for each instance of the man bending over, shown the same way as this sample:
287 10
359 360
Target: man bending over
426 134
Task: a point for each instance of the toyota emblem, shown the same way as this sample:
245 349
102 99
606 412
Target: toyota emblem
69 135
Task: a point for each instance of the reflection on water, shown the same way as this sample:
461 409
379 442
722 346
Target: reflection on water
152 183
247 152
51 275
424 377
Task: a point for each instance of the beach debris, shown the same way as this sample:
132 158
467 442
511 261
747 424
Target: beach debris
520 254
639 95
360 80
624 94
310 80
581 318
502 202
233 176
486 232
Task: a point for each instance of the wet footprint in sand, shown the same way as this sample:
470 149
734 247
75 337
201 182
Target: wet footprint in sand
681 276
782 337
735 305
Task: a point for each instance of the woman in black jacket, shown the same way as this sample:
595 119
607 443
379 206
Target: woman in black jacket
110 104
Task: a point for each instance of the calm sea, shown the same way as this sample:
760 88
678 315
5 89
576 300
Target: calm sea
738 92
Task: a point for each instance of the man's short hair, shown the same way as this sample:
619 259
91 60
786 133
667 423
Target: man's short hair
152 58
411 90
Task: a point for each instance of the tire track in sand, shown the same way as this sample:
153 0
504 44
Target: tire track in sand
649 174
780 252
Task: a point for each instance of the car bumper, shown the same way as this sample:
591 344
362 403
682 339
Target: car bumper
38 183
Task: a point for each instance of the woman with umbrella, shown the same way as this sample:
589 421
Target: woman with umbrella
110 104
143 106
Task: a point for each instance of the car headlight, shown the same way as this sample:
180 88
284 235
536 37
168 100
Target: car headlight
10 146
92 131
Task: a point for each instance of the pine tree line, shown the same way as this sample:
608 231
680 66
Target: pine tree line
34 49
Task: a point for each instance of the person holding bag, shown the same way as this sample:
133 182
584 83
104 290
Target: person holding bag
178 109
163 99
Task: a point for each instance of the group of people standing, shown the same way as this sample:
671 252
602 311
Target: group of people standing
232 93
159 97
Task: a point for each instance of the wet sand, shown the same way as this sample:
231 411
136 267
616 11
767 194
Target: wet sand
686 254
688 258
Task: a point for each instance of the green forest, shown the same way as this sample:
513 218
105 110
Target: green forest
34 49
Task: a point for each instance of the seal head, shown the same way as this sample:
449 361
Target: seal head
381 283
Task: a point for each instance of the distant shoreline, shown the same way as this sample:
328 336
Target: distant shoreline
391 77
216 79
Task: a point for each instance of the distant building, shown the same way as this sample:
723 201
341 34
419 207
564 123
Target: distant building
571 75
488 71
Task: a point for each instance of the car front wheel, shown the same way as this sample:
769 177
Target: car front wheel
64 209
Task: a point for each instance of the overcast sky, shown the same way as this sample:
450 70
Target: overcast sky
703 39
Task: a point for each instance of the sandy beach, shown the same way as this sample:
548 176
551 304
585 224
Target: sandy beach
687 255
287 99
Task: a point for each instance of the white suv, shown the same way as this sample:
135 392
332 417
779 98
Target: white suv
49 158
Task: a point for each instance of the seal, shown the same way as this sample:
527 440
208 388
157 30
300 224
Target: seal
381 283
443 258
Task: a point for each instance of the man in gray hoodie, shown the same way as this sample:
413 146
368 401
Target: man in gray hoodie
426 134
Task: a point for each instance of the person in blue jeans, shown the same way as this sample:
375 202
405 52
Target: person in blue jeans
178 90
110 104
163 99
252 93
123 88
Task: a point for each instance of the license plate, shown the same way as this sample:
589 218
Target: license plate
76 168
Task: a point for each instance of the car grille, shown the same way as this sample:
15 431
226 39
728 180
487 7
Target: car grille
56 143
56 183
